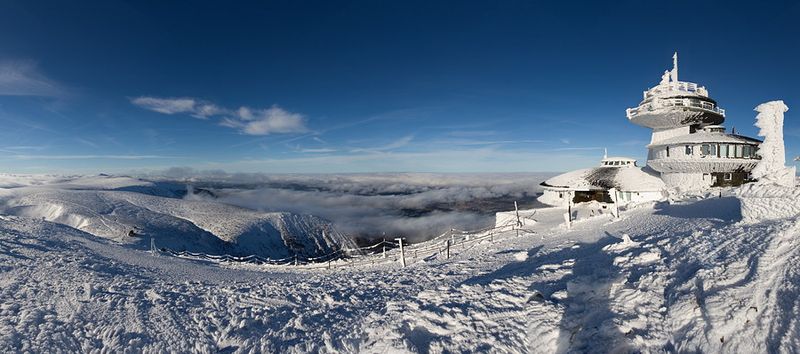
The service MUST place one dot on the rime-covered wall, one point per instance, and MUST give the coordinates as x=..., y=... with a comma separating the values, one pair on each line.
x=771, y=168
x=687, y=181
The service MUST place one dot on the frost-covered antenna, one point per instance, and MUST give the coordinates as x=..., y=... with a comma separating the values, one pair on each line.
x=605, y=153
x=675, y=67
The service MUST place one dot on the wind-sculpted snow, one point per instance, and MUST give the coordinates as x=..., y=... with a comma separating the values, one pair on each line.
x=680, y=277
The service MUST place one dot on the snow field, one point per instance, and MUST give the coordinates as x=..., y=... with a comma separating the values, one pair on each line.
x=683, y=276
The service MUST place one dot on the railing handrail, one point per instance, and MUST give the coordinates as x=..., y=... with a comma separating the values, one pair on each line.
x=672, y=102
x=675, y=86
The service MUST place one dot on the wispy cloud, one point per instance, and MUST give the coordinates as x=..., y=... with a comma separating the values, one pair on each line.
x=25, y=147
x=318, y=151
x=478, y=142
x=23, y=78
x=89, y=157
x=249, y=121
x=472, y=133
x=174, y=105
x=388, y=147
x=266, y=121
x=578, y=148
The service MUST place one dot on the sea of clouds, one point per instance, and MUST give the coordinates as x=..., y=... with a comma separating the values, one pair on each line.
x=368, y=206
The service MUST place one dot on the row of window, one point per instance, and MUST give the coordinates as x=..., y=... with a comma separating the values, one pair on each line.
x=719, y=150
x=617, y=163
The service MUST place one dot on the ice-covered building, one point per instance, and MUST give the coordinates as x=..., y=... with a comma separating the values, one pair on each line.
x=621, y=174
x=689, y=146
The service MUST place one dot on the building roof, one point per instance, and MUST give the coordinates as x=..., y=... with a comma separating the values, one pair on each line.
x=706, y=137
x=612, y=158
x=604, y=178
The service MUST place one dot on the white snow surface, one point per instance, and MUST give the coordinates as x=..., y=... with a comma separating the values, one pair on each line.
x=625, y=179
x=681, y=277
x=111, y=207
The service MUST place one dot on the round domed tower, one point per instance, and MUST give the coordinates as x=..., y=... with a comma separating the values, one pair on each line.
x=689, y=147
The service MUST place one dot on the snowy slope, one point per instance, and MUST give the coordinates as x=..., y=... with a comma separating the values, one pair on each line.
x=104, y=206
x=684, y=277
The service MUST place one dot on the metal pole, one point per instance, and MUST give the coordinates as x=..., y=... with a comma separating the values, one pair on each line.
x=448, y=249
x=402, y=252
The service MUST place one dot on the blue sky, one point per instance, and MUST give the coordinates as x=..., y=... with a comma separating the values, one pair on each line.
x=373, y=86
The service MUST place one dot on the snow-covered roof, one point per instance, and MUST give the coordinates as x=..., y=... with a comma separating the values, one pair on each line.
x=619, y=158
x=603, y=178
x=706, y=137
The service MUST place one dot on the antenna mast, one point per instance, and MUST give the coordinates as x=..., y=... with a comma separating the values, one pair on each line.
x=675, y=67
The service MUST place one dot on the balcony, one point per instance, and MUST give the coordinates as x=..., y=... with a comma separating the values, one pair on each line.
x=674, y=102
x=680, y=86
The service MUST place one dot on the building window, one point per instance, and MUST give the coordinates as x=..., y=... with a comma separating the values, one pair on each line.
x=689, y=150
x=705, y=149
x=667, y=151
x=739, y=151
x=728, y=176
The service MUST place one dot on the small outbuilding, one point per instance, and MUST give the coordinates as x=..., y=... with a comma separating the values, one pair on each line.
x=631, y=183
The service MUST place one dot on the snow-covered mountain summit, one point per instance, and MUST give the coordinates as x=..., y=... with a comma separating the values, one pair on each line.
x=131, y=211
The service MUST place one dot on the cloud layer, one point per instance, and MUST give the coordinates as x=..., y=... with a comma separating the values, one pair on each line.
x=247, y=120
x=417, y=206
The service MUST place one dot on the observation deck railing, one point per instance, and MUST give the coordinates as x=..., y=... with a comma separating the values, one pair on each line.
x=674, y=102
x=683, y=86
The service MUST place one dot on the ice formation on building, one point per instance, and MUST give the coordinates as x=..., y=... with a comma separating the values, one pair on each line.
x=774, y=195
x=771, y=169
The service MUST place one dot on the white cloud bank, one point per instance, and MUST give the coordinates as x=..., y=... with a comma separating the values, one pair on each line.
x=247, y=120
x=22, y=78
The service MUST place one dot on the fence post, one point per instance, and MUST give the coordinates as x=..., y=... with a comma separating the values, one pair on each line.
x=614, y=198
x=152, y=246
x=295, y=260
x=402, y=252
x=448, y=249
x=329, y=264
